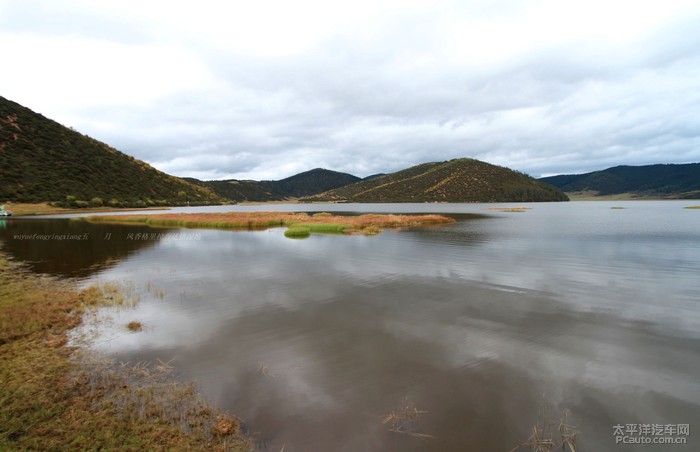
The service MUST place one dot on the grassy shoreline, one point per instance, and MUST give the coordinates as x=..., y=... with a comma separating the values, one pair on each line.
x=42, y=208
x=299, y=224
x=56, y=397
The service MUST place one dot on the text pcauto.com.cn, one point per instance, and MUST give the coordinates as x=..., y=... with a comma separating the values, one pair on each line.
x=651, y=433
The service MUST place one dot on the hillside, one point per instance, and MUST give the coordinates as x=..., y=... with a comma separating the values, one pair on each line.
x=312, y=182
x=41, y=160
x=241, y=190
x=303, y=184
x=650, y=181
x=459, y=180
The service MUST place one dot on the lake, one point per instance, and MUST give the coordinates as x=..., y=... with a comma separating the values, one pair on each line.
x=451, y=338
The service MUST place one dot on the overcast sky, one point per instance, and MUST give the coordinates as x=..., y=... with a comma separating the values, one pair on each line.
x=264, y=90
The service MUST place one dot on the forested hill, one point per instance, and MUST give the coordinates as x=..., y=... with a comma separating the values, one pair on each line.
x=42, y=160
x=303, y=184
x=459, y=180
x=655, y=181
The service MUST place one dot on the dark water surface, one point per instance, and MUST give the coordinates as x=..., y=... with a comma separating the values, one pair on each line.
x=479, y=324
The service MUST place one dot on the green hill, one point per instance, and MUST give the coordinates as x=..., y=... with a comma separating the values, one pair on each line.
x=303, y=184
x=459, y=180
x=41, y=160
x=649, y=181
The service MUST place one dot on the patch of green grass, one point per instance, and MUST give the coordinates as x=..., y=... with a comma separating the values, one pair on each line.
x=692, y=207
x=297, y=232
x=326, y=228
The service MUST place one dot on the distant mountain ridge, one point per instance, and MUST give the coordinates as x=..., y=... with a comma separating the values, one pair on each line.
x=459, y=180
x=241, y=190
x=42, y=160
x=313, y=181
x=299, y=185
x=672, y=181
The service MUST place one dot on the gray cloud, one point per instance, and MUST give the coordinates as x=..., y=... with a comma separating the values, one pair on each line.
x=379, y=94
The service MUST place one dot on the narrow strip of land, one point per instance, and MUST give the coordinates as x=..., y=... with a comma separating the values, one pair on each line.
x=43, y=208
x=299, y=224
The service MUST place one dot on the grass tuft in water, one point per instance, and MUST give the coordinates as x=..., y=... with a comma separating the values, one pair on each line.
x=134, y=326
x=371, y=230
x=405, y=420
x=510, y=209
x=550, y=435
x=297, y=232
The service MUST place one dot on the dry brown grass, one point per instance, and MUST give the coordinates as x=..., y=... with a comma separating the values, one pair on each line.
x=405, y=420
x=55, y=397
x=134, y=326
x=550, y=435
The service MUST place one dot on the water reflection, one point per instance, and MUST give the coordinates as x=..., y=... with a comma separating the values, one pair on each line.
x=69, y=248
x=314, y=365
x=313, y=341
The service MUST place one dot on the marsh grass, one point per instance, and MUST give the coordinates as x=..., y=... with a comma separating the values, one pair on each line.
x=157, y=293
x=371, y=230
x=323, y=228
x=145, y=392
x=297, y=232
x=510, y=209
x=134, y=326
x=114, y=294
x=59, y=397
x=549, y=435
x=262, y=370
x=692, y=207
x=405, y=420
x=326, y=223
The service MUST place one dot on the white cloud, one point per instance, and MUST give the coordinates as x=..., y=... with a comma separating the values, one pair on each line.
x=266, y=89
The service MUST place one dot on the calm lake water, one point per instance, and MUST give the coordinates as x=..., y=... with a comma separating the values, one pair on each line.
x=478, y=324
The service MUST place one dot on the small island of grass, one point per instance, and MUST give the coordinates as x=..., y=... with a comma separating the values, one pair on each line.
x=299, y=225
